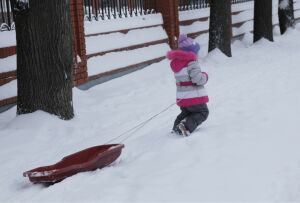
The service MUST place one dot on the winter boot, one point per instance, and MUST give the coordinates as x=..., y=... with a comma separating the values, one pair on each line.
x=184, y=131
x=176, y=130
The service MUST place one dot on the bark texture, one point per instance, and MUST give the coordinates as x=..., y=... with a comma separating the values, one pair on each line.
x=220, y=26
x=263, y=27
x=286, y=14
x=44, y=57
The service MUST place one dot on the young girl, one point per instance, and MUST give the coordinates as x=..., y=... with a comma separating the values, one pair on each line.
x=190, y=81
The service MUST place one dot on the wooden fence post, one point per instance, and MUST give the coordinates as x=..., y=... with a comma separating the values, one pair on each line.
x=80, y=75
x=169, y=10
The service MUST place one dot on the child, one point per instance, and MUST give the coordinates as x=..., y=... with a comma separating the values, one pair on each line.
x=190, y=81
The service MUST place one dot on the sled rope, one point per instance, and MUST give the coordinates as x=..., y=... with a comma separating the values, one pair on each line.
x=139, y=126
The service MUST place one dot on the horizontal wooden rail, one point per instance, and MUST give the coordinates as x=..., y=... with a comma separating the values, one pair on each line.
x=8, y=51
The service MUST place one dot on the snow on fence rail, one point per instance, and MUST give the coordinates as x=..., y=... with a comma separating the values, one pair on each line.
x=126, y=43
x=196, y=22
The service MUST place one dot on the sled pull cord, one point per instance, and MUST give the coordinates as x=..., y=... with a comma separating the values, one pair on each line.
x=139, y=126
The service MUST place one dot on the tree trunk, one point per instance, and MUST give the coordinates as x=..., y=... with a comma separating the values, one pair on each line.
x=263, y=20
x=220, y=26
x=44, y=57
x=286, y=14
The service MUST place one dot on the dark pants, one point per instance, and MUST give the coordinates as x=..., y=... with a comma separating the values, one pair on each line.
x=194, y=116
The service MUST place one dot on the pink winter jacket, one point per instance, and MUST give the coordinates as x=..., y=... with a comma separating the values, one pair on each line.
x=190, y=80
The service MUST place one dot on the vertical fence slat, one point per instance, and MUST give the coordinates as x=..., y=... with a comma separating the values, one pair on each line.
x=120, y=11
x=2, y=12
x=141, y=7
x=8, y=13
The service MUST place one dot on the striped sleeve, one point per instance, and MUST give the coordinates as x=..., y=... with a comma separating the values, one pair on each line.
x=197, y=76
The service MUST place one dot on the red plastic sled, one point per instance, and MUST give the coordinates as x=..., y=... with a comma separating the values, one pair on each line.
x=85, y=160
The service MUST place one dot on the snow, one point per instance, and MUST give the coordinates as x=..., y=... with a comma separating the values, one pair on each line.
x=284, y=4
x=193, y=14
x=243, y=6
x=8, y=90
x=194, y=27
x=114, y=147
x=275, y=20
x=40, y=174
x=78, y=59
x=92, y=27
x=117, y=40
x=243, y=16
x=246, y=27
x=275, y=6
x=9, y=38
x=115, y=60
x=297, y=9
x=297, y=5
x=297, y=14
x=8, y=64
x=247, y=150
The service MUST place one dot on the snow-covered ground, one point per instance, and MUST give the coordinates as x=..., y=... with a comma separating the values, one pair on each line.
x=248, y=149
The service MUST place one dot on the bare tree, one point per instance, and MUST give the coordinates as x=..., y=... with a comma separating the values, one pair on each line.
x=263, y=27
x=44, y=57
x=286, y=14
x=220, y=26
